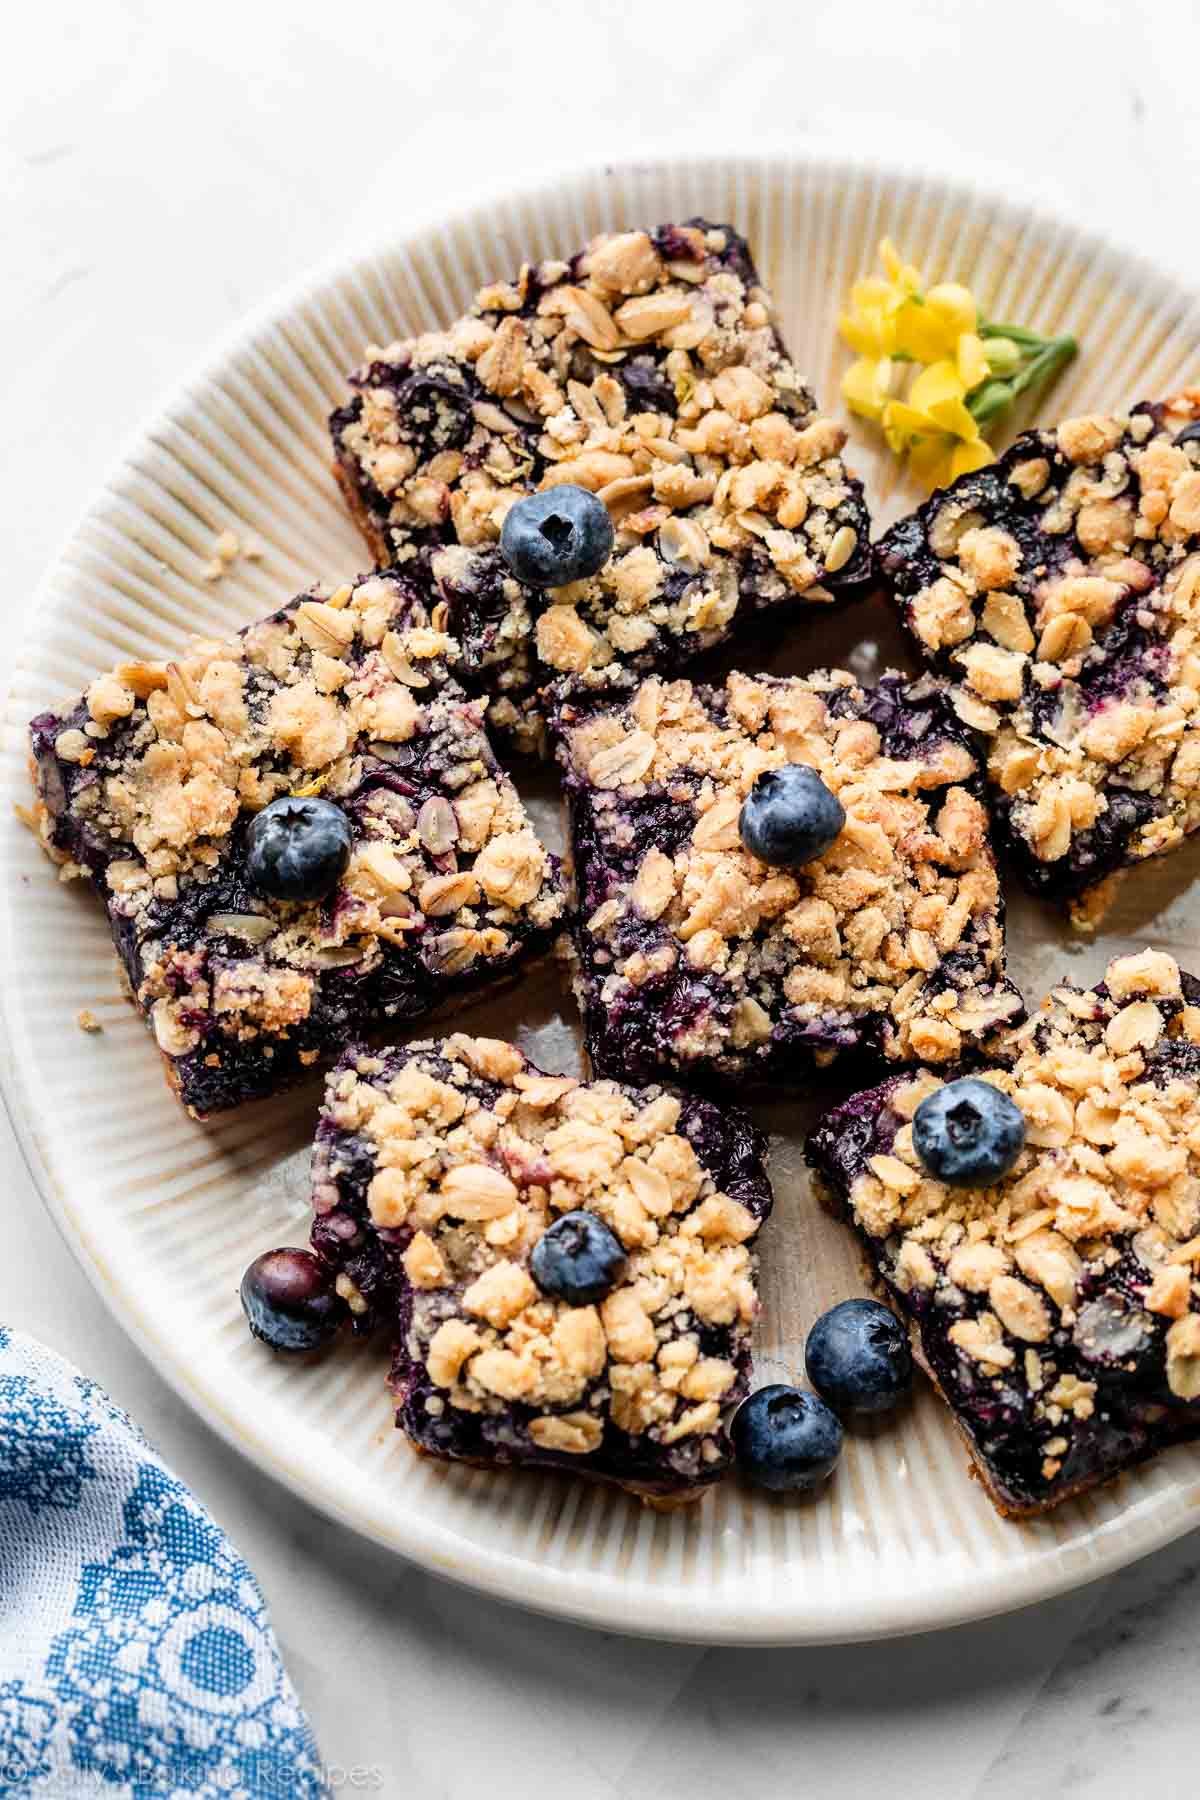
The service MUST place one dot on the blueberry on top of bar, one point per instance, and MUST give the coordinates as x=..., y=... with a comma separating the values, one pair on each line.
x=416, y=871
x=697, y=959
x=1057, y=590
x=648, y=370
x=1058, y=1311
x=439, y=1170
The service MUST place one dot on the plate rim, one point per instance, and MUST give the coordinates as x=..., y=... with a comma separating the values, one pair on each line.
x=594, y=1598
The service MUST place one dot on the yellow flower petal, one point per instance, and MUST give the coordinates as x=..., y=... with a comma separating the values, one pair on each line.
x=864, y=385
x=965, y=457
x=954, y=306
x=902, y=424
x=867, y=332
x=956, y=419
x=871, y=294
x=932, y=425
x=931, y=460
x=915, y=336
x=903, y=275
x=935, y=386
x=973, y=365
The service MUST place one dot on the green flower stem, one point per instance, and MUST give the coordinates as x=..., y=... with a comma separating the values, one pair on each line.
x=1020, y=334
x=993, y=398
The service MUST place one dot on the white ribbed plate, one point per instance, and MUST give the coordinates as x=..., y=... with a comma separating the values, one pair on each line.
x=164, y=1213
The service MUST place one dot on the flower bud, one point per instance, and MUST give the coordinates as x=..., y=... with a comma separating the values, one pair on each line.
x=1003, y=356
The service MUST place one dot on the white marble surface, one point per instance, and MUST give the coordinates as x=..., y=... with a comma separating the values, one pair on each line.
x=166, y=168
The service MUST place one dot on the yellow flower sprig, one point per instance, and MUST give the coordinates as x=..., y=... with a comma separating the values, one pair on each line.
x=972, y=369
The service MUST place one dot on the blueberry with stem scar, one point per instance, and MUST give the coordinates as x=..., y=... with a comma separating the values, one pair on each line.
x=785, y=1439
x=559, y=535
x=297, y=848
x=858, y=1357
x=968, y=1133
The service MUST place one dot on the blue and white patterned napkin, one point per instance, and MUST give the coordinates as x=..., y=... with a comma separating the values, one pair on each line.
x=137, y=1660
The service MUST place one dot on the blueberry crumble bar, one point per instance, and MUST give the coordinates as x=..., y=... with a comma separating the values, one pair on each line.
x=339, y=709
x=1058, y=1311
x=696, y=959
x=1058, y=592
x=466, y=1199
x=648, y=370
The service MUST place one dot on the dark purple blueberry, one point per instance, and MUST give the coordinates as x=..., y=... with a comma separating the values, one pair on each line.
x=298, y=849
x=289, y=1300
x=968, y=1134
x=561, y=534
x=1189, y=435
x=858, y=1357
x=577, y=1259
x=789, y=816
x=785, y=1439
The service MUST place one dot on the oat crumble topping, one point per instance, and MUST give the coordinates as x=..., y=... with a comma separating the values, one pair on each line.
x=695, y=957
x=1059, y=1311
x=647, y=369
x=437, y=1168
x=1059, y=593
x=146, y=786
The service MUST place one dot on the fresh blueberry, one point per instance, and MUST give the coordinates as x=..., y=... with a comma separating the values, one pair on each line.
x=968, y=1134
x=789, y=816
x=556, y=536
x=785, y=1439
x=297, y=849
x=289, y=1301
x=1189, y=434
x=858, y=1357
x=577, y=1259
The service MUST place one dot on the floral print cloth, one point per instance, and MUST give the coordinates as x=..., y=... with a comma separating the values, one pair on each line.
x=137, y=1660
